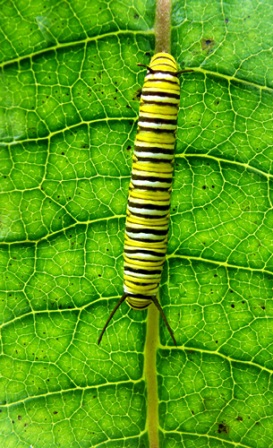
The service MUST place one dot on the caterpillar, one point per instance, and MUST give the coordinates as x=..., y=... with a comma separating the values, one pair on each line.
x=148, y=208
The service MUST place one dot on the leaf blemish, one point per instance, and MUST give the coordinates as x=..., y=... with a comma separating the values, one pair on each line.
x=223, y=428
x=207, y=45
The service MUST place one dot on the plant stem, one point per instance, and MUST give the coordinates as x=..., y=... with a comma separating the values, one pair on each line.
x=152, y=342
x=163, y=26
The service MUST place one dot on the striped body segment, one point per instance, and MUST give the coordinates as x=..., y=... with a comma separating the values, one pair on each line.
x=147, y=219
x=147, y=216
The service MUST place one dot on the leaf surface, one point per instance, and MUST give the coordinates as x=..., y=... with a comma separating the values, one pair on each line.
x=69, y=93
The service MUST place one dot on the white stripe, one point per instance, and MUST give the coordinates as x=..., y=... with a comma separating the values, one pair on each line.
x=152, y=155
x=146, y=211
x=142, y=183
x=141, y=256
x=159, y=99
x=161, y=75
x=168, y=146
x=149, y=124
x=146, y=236
x=140, y=275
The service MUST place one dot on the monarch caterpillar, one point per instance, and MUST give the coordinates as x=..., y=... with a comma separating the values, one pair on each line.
x=147, y=216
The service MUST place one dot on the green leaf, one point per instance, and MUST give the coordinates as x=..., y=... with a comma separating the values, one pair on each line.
x=69, y=102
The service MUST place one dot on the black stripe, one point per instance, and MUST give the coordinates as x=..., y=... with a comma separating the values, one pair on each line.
x=157, y=120
x=152, y=160
x=144, y=216
x=156, y=130
x=151, y=188
x=143, y=271
x=149, y=206
x=145, y=264
x=154, y=149
x=163, y=103
x=154, y=262
x=140, y=296
x=160, y=93
x=148, y=231
x=156, y=178
x=146, y=251
x=148, y=217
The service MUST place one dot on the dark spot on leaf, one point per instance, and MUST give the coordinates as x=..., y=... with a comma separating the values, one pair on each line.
x=223, y=428
x=263, y=307
x=231, y=292
x=19, y=417
x=204, y=187
x=55, y=412
x=137, y=94
x=207, y=45
x=239, y=418
x=226, y=20
x=215, y=275
x=212, y=186
x=232, y=305
x=216, y=342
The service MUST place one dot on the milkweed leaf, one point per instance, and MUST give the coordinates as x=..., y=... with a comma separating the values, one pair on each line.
x=69, y=93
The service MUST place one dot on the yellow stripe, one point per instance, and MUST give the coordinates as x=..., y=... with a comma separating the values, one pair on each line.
x=154, y=138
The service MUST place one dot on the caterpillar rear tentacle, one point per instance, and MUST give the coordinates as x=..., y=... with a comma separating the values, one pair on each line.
x=158, y=306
